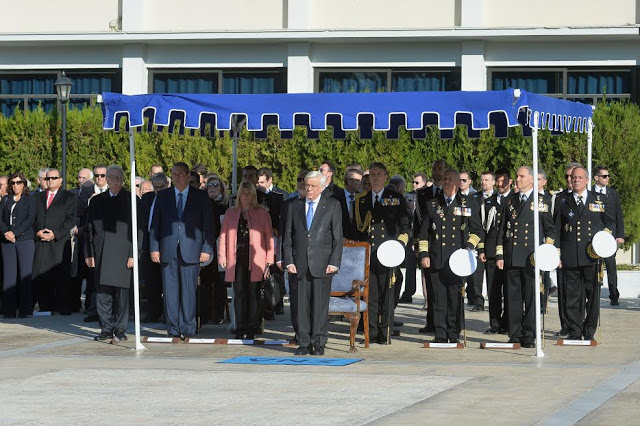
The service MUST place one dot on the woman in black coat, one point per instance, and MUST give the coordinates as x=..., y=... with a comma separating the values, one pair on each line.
x=18, y=246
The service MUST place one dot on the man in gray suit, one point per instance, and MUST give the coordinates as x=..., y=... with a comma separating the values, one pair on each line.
x=180, y=238
x=312, y=246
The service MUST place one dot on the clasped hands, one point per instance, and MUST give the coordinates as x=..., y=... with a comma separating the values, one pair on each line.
x=45, y=235
x=155, y=257
x=330, y=269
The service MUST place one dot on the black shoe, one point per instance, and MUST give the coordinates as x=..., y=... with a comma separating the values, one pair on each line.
x=553, y=290
x=183, y=337
x=574, y=337
x=528, y=343
x=405, y=299
x=615, y=303
x=477, y=308
x=588, y=337
x=103, y=336
x=398, y=323
x=427, y=329
x=302, y=350
x=318, y=350
x=239, y=336
x=492, y=330
x=250, y=336
x=563, y=332
x=294, y=341
x=279, y=311
x=269, y=316
x=440, y=340
x=90, y=318
x=514, y=340
x=122, y=336
x=454, y=340
x=503, y=331
x=382, y=340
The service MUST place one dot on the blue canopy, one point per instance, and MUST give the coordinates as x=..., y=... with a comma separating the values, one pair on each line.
x=349, y=111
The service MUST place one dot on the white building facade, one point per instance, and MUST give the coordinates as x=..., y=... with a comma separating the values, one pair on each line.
x=574, y=49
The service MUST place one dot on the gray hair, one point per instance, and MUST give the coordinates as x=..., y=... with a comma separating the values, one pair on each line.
x=397, y=180
x=572, y=166
x=160, y=179
x=542, y=173
x=115, y=171
x=529, y=169
x=89, y=170
x=43, y=171
x=316, y=174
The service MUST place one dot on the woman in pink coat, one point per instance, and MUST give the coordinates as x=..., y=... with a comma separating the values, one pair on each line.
x=245, y=251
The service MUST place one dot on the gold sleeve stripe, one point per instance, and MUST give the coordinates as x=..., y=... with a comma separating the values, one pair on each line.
x=423, y=245
x=608, y=230
x=499, y=250
x=592, y=254
x=473, y=239
x=404, y=238
x=481, y=245
x=549, y=240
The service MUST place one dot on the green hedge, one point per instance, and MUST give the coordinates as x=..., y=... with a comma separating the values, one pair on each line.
x=30, y=140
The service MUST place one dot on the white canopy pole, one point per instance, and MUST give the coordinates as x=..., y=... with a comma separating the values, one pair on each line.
x=134, y=238
x=589, y=150
x=536, y=233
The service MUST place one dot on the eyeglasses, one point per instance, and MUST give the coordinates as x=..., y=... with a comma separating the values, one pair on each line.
x=567, y=176
x=213, y=184
x=17, y=182
x=300, y=179
x=604, y=176
x=137, y=185
x=100, y=175
x=464, y=180
x=415, y=182
x=48, y=178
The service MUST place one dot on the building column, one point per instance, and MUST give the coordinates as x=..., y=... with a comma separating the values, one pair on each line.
x=135, y=76
x=472, y=65
x=299, y=69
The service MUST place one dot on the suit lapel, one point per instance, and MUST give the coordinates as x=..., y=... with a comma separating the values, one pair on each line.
x=320, y=209
x=571, y=202
x=300, y=210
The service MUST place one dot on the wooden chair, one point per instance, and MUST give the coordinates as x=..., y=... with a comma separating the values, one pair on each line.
x=350, y=289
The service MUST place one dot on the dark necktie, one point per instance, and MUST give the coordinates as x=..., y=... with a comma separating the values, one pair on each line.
x=377, y=202
x=350, y=207
x=180, y=206
x=449, y=200
x=523, y=198
x=580, y=204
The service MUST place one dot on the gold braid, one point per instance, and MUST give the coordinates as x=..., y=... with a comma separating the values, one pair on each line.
x=365, y=224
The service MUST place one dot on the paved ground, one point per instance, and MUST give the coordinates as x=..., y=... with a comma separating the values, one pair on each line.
x=52, y=372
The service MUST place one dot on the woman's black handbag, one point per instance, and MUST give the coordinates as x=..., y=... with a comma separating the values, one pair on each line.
x=272, y=289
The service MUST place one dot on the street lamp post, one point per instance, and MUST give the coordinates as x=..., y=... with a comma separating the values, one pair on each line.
x=63, y=88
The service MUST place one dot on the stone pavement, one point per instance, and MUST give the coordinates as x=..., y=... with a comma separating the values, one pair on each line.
x=52, y=372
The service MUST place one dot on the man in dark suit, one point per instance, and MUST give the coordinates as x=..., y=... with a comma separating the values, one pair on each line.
x=347, y=199
x=55, y=217
x=423, y=195
x=487, y=199
x=312, y=246
x=150, y=272
x=450, y=222
x=601, y=177
x=109, y=250
x=181, y=237
x=578, y=217
x=78, y=266
x=87, y=192
x=328, y=170
x=381, y=214
x=514, y=254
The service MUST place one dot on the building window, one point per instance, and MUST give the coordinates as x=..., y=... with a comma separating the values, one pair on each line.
x=27, y=90
x=386, y=80
x=219, y=81
x=584, y=85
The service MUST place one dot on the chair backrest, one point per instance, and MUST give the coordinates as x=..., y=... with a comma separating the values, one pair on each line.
x=353, y=266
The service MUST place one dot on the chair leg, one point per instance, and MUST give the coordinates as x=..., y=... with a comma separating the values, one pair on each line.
x=354, y=319
x=365, y=325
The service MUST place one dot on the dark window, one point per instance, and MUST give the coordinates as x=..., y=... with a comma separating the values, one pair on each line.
x=389, y=80
x=201, y=83
x=535, y=82
x=219, y=81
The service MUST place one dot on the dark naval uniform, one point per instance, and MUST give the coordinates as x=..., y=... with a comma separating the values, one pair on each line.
x=556, y=200
x=490, y=213
x=423, y=195
x=444, y=230
x=576, y=224
x=516, y=245
x=387, y=220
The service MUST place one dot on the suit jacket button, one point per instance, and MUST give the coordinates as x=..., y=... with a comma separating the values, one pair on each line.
x=308, y=235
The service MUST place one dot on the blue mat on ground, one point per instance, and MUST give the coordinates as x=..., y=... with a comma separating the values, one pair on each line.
x=277, y=360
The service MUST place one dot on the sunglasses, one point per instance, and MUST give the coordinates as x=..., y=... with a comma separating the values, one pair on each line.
x=567, y=176
x=48, y=178
x=604, y=176
x=415, y=182
x=213, y=185
x=101, y=175
x=463, y=180
x=17, y=182
x=137, y=185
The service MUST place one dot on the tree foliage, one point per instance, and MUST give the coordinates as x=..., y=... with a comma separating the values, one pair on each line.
x=30, y=140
